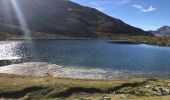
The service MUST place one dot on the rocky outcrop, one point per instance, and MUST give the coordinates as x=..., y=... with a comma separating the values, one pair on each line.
x=160, y=91
x=5, y=62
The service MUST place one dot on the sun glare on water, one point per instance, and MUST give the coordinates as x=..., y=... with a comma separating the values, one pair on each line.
x=8, y=50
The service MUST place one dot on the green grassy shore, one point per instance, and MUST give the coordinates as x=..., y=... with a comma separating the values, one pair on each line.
x=38, y=88
x=160, y=41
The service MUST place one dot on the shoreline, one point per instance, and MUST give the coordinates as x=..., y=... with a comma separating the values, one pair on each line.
x=45, y=69
x=53, y=70
x=48, y=39
x=156, y=41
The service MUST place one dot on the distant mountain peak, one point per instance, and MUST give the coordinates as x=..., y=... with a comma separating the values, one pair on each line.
x=164, y=28
x=163, y=31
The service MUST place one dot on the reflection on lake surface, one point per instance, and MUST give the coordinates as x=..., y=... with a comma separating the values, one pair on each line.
x=130, y=59
x=8, y=50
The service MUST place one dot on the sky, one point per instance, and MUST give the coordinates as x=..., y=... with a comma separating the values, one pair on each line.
x=145, y=14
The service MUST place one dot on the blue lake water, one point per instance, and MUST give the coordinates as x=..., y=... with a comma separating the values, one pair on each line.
x=139, y=60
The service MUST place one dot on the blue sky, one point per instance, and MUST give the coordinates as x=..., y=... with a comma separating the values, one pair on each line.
x=145, y=14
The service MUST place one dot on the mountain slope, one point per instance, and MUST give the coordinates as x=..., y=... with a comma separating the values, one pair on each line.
x=163, y=31
x=62, y=17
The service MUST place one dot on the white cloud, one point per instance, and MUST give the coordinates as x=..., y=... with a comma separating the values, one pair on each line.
x=137, y=6
x=124, y=1
x=113, y=1
x=99, y=4
x=100, y=8
x=141, y=8
x=151, y=8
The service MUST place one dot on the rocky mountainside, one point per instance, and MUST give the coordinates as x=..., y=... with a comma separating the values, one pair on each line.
x=60, y=17
x=163, y=31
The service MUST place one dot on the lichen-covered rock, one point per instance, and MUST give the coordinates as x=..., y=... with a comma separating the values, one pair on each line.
x=160, y=91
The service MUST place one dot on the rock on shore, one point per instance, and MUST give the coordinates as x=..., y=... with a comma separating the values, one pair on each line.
x=45, y=69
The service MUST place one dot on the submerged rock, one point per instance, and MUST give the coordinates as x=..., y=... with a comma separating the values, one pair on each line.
x=32, y=69
x=5, y=62
x=45, y=69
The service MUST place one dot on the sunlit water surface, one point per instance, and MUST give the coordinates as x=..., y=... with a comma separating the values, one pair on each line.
x=138, y=60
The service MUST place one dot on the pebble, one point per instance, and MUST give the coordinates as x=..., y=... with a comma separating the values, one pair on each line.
x=104, y=98
x=148, y=86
